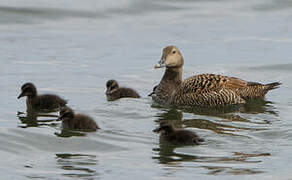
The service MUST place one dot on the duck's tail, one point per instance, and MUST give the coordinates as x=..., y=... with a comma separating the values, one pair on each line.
x=257, y=90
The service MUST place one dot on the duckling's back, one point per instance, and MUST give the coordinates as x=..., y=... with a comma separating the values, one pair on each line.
x=183, y=137
x=46, y=102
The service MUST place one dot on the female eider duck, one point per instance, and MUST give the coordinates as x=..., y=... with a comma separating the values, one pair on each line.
x=73, y=121
x=45, y=102
x=178, y=136
x=205, y=89
x=115, y=92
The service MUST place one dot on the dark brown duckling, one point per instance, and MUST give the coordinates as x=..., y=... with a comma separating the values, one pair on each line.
x=178, y=136
x=115, y=92
x=205, y=89
x=45, y=102
x=73, y=121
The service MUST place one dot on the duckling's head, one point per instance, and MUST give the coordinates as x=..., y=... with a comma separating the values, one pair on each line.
x=111, y=86
x=171, y=58
x=66, y=113
x=164, y=128
x=28, y=89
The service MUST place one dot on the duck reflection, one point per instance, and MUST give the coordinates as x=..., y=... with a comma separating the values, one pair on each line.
x=165, y=152
x=256, y=106
x=78, y=165
x=175, y=117
x=33, y=118
x=242, y=113
x=65, y=133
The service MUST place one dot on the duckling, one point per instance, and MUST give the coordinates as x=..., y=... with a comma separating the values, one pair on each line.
x=45, y=102
x=178, y=136
x=115, y=92
x=73, y=121
x=205, y=89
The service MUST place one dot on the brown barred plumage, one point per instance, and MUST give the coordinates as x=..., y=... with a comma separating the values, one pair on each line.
x=204, y=89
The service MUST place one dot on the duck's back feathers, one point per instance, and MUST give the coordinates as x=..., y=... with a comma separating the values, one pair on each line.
x=205, y=83
x=209, y=90
x=80, y=122
x=217, y=90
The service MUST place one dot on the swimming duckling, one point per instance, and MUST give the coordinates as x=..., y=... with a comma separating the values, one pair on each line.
x=45, y=102
x=204, y=89
x=115, y=92
x=178, y=136
x=73, y=121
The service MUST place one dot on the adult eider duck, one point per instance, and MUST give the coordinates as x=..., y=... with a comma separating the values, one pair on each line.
x=115, y=92
x=45, y=102
x=178, y=136
x=73, y=121
x=205, y=89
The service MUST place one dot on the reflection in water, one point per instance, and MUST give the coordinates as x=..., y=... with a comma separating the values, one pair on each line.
x=216, y=170
x=31, y=119
x=228, y=114
x=165, y=153
x=167, y=156
x=77, y=165
x=69, y=133
x=216, y=127
x=257, y=106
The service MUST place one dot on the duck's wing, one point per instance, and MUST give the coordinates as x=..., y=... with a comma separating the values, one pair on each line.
x=209, y=89
x=205, y=83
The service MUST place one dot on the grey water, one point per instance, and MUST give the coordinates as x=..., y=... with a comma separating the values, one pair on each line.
x=71, y=48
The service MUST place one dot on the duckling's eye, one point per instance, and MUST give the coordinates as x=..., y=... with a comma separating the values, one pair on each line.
x=173, y=52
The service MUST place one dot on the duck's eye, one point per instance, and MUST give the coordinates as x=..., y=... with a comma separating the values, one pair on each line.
x=173, y=52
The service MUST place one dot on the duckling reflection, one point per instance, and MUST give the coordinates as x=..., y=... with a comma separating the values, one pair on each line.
x=73, y=121
x=115, y=92
x=77, y=165
x=177, y=136
x=45, y=102
x=166, y=154
x=66, y=133
x=32, y=119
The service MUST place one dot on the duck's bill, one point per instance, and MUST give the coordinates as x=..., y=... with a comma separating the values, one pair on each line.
x=157, y=130
x=160, y=64
x=20, y=95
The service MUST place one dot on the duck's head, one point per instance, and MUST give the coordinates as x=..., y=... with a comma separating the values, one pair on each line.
x=164, y=128
x=111, y=86
x=171, y=58
x=66, y=113
x=28, y=89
